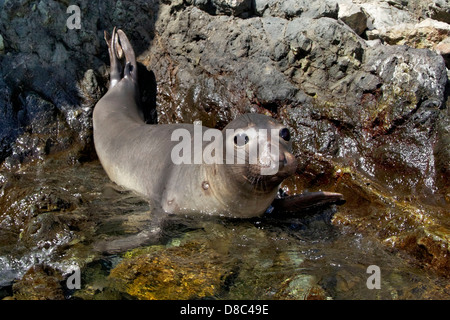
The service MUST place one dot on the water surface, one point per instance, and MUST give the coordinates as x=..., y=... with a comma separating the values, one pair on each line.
x=56, y=214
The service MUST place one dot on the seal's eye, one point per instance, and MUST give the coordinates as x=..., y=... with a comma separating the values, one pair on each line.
x=241, y=139
x=285, y=134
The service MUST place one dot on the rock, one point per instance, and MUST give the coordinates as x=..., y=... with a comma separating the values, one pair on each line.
x=232, y=7
x=39, y=283
x=9, y=130
x=238, y=8
x=302, y=287
x=443, y=48
x=441, y=153
x=186, y=272
x=41, y=131
x=439, y=10
x=429, y=34
x=34, y=219
x=383, y=15
x=435, y=9
x=45, y=231
x=46, y=59
x=426, y=34
x=297, y=47
x=354, y=16
x=261, y=6
x=44, y=219
x=92, y=91
x=301, y=8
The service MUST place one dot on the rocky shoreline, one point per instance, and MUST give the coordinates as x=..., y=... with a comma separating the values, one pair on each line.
x=363, y=84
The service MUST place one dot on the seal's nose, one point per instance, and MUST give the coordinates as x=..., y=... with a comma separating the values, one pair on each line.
x=288, y=161
x=282, y=158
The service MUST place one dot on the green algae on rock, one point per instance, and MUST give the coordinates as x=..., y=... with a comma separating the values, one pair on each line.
x=186, y=272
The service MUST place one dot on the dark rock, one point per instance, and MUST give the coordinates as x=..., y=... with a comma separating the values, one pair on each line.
x=354, y=16
x=439, y=10
x=297, y=8
x=232, y=7
x=441, y=153
x=43, y=58
x=39, y=283
x=8, y=123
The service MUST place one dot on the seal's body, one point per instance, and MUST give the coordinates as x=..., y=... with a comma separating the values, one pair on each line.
x=138, y=156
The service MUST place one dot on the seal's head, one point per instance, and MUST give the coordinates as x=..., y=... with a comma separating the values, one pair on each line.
x=258, y=151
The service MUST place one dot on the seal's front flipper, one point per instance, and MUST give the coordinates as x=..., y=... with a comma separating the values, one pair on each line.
x=305, y=201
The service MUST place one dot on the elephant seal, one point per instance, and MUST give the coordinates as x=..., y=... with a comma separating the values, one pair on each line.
x=140, y=156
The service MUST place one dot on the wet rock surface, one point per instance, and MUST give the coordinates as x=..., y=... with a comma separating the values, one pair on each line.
x=39, y=283
x=371, y=111
x=189, y=272
x=363, y=85
x=48, y=232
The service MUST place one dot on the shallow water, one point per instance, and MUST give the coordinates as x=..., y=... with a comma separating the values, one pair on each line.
x=57, y=214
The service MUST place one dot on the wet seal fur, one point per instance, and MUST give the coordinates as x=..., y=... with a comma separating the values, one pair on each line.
x=137, y=155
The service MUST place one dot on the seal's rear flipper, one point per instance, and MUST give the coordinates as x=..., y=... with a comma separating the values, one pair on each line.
x=115, y=72
x=119, y=47
x=305, y=201
x=125, y=243
x=130, y=57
